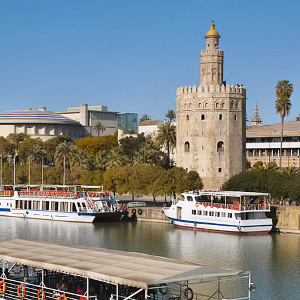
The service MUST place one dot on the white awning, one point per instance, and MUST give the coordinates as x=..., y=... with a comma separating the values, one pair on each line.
x=119, y=267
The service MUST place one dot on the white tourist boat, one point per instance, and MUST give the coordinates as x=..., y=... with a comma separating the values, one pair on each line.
x=61, y=203
x=225, y=211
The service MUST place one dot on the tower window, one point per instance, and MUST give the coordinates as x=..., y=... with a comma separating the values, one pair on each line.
x=186, y=147
x=187, y=117
x=202, y=117
x=220, y=117
x=220, y=146
x=235, y=117
x=220, y=170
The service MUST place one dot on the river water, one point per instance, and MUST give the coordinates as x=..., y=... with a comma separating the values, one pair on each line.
x=274, y=259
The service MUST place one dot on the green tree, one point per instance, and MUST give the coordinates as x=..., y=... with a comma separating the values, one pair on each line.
x=27, y=147
x=166, y=137
x=14, y=140
x=144, y=117
x=99, y=127
x=51, y=144
x=67, y=154
x=171, y=115
x=284, y=90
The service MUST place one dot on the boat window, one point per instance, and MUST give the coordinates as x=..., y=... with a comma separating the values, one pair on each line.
x=199, y=212
x=205, y=213
x=217, y=214
x=189, y=198
x=223, y=215
x=211, y=213
x=229, y=215
x=73, y=207
x=54, y=206
x=193, y=212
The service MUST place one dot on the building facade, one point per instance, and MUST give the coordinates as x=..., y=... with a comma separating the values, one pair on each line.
x=211, y=121
x=263, y=144
x=39, y=123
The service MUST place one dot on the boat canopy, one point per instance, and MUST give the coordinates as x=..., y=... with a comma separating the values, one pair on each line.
x=117, y=267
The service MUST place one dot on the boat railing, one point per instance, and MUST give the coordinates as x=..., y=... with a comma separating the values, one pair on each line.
x=236, y=206
x=15, y=289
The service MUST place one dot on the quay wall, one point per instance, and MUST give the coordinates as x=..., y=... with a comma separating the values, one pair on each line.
x=148, y=214
x=288, y=217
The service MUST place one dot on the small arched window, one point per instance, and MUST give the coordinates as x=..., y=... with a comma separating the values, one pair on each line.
x=202, y=117
x=185, y=106
x=190, y=105
x=235, y=117
x=186, y=147
x=199, y=105
x=220, y=117
x=187, y=117
x=220, y=146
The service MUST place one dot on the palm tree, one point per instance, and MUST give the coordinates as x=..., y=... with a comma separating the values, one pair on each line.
x=99, y=127
x=66, y=153
x=171, y=115
x=144, y=117
x=284, y=90
x=166, y=137
x=35, y=155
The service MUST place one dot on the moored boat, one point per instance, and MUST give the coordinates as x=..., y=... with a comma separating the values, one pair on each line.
x=61, y=203
x=225, y=211
x=68, y=272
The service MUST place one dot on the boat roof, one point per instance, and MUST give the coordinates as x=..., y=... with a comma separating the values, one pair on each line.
x=118, y=267
x=225, y=193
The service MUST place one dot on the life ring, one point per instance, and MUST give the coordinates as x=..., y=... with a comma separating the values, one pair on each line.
x=134, y=211
x=205, y=204
x=140, y=211
x=36, y=271
x=211, y=205
x=23, y=291
x=18, y=271
x=163, y=289
x=229, y=206
x=188, y=294
x=62, y=296
x=248, y=206
x=217, y=205
x=43, y=293
x=2, y=290
x=223, y=206
x=197, y=204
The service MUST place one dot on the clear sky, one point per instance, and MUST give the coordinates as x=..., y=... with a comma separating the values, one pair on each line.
x=131, y=55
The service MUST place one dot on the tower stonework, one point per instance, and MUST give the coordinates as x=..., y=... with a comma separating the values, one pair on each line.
x=211, y=121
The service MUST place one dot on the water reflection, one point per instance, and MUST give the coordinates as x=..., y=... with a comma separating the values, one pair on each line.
x=274, y=260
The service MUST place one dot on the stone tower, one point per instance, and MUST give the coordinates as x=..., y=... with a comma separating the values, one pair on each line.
x=211, y=121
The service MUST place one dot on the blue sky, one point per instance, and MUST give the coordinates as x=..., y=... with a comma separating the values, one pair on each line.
x=131, y=55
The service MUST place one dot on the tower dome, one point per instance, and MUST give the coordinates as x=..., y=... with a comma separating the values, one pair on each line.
x=212, y=31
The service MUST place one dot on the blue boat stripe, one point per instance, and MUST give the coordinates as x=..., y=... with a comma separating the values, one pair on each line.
x=218, y=224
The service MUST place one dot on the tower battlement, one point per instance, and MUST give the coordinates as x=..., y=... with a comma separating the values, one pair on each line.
x=204, y=88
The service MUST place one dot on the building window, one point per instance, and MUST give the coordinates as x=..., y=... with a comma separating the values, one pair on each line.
x=186, y=147
x=187, y=117
x=235, y=117
x=220, y=170
x=202, y=117
x=220, y=117
x=220, y=146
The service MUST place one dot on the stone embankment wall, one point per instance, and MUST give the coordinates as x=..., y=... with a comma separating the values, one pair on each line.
x=288, y=217
x=153, y=214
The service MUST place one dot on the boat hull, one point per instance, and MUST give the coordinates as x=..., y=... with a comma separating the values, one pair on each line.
x=62, y=216
x=256, y=226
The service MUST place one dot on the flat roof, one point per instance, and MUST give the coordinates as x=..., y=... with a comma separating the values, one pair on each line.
x=118, y=267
